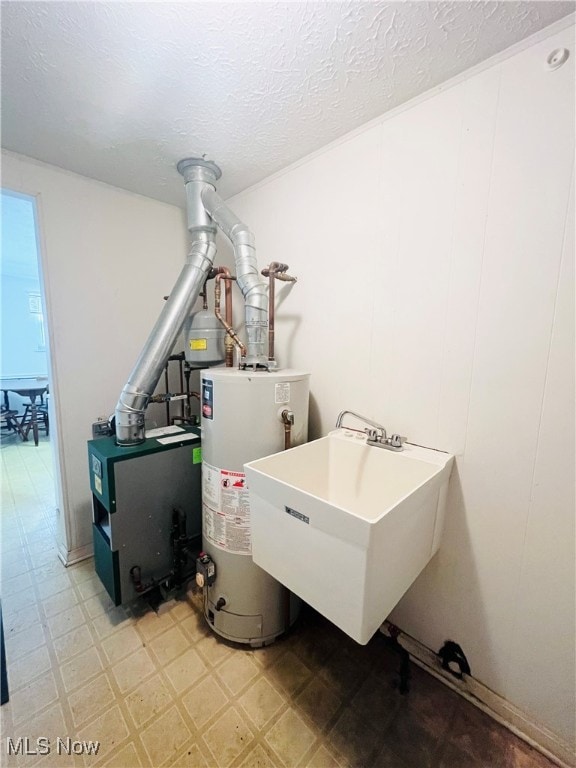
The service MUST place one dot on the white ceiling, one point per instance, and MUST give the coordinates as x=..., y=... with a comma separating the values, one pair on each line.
x=120, y=91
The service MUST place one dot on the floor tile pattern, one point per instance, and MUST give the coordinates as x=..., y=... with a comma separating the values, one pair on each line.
x=160, y=690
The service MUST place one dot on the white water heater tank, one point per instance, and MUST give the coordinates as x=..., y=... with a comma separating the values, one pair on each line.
x=241, y=422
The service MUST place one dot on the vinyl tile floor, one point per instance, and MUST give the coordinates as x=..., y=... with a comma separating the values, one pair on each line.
x=159, y=689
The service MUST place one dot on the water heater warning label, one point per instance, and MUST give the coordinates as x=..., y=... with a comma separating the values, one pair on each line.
x=226, y=509
x=282, y=393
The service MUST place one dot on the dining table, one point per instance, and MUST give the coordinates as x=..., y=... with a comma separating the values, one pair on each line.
x=32, y=388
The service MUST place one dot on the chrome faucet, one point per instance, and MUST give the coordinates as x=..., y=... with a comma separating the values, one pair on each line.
x=375, y=433
x=376, y=428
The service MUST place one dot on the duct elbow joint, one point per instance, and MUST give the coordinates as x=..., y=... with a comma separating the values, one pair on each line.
x=129, y=417
x=242, y=239
x=129, y=428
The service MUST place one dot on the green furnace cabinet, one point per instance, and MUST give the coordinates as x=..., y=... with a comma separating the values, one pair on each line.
x=134, y=493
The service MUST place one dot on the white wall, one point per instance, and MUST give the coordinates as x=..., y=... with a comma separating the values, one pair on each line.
x=434, y=252
x=108, y=258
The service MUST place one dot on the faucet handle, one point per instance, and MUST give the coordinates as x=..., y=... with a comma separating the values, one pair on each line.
x=375, y=435
x=396, y=441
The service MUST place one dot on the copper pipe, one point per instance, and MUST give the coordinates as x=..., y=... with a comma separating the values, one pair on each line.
x=271, y=303
x=228, y=342
x=275, y=271
x=224, y=273
x=288, y=421
x=232, y=339
x=287, y=436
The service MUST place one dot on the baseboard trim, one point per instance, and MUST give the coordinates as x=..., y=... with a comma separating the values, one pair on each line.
x=75, y=555
x=492, y=704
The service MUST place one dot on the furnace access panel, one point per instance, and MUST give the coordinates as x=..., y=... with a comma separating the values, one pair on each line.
x=135, y=492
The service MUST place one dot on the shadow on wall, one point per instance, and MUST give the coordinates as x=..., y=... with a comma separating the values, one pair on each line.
x=454, y=562
x=287, y=325
x=287, y=329
x=314, y=419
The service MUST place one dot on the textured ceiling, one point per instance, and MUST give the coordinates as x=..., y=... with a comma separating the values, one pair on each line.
x=121, y=91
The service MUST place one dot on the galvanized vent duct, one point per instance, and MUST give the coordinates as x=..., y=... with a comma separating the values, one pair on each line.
x=205, y=210
x=253, y=287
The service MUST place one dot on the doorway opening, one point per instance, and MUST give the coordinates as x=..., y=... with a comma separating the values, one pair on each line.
x=29, y=512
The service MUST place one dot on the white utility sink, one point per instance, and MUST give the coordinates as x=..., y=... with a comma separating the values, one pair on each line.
x=348, y=526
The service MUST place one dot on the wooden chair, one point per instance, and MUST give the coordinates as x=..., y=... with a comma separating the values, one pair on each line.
x=26, y=421
x=9, y=424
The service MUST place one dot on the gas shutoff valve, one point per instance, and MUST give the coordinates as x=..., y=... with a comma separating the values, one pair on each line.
x=205, y=570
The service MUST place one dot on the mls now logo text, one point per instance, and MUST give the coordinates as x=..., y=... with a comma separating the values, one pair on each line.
x=44, y=746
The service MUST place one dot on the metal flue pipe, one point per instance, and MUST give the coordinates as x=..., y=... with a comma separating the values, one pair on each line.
x=254, y=289
x=205, y=211
x=129, y=414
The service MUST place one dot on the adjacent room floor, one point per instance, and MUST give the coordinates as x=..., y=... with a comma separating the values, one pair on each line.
x=161, y=690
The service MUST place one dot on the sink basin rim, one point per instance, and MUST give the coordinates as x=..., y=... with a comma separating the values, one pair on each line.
x=440, y=460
